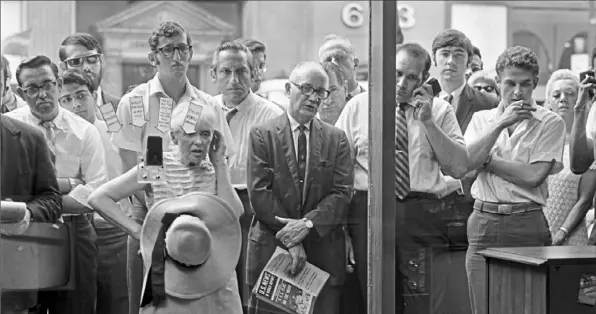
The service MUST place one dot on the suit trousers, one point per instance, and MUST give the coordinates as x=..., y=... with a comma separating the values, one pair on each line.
x=422, y=239
x=245, y=221
x=112, y=292
x=80, y=300
x=487, y=230
x=354, y=294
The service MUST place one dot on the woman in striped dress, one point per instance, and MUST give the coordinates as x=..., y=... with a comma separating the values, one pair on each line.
x=185, y=170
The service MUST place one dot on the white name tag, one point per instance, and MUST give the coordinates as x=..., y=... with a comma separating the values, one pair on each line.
x=110, y=118
x=192, y=117
x=165, y=114
x=137, y=110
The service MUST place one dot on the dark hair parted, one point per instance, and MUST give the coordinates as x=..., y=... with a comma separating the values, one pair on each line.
x=167, y=29
x=35, y=63
x=253, y=45
x=416, y=51
x=476, y=52
x=333, y=69
x=232, y=46
x=77, y=77
x=518, y=57
x=82, y=39
x=452, y=38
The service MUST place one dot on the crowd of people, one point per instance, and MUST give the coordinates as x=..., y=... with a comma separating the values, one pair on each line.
x=236, y=176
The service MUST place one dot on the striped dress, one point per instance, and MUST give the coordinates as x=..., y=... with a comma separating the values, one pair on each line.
x=181, y=179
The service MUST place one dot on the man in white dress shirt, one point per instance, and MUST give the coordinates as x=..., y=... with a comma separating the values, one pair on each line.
x=79, y=159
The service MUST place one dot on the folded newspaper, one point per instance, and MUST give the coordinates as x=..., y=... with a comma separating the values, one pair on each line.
x=292, y=294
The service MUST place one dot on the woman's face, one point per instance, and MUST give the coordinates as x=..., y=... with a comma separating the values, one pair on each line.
x=194, y=148
x=485, y=86
x=563, y=97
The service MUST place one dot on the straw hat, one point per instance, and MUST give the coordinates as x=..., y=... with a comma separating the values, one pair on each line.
x=190, y=246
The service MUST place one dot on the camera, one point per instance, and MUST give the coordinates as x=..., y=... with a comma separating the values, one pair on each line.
x=583, y=75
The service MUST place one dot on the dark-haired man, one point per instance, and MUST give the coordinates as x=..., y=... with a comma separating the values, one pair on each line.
x=428, y=143
x=259, y=60
x=10, y=101
x=233, y=71
x=79, y=96
x=28, y=179
x=514, y=148
x=475, y=63
x=79, y=159
x=170, y=52
x=82, y=51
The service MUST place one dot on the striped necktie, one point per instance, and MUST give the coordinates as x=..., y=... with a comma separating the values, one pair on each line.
x=448, y=98
x=402, y=167
x=50, y=127
x=230, y=114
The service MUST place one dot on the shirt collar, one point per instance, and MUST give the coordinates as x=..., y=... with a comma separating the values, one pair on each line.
x=59, y=120
x=243, y=105
x=99, y=96
x=356, y=90
x=156, y=87
x=294, y=124
x=456, y=93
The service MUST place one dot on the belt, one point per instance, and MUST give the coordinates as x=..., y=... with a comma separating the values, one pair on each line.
x=506, y=209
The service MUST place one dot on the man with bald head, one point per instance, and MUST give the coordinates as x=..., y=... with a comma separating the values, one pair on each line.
x=300, y=184
x=339, y=50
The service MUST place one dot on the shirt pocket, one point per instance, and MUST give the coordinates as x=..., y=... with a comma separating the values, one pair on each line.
x=68, y=166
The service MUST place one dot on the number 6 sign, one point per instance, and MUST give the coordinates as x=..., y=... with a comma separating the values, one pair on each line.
x=352, y=15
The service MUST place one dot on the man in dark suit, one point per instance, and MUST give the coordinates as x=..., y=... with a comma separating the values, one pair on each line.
x=28, y=180
x=300, y=184
x=83, y=52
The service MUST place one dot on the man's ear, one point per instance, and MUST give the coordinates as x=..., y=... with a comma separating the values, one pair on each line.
x=536, y=82
x=213, y=75
x=102, y=61
x=94, y=94
x=21, y=93
x=425, y=77
x=152, y=58
x=63, y=66
x=356, y=62
x=288, y=86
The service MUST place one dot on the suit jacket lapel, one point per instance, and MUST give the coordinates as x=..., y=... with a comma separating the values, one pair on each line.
x=314, y=151
x=10, y=156
x=284, y=135
x=464, y=107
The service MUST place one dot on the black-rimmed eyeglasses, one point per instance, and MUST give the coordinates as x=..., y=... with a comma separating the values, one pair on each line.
x=168, y=50
x=308, y=90
x=33, y=90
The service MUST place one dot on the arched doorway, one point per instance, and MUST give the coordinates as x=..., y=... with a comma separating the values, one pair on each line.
x=531, y=41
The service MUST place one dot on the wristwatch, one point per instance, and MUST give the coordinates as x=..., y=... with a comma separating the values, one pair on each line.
x=72, y=183
x=308, y=223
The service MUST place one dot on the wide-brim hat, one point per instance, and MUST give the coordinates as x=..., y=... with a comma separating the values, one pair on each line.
x=218, y=268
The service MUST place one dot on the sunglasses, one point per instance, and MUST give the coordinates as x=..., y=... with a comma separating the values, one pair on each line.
x=487, y=88
x=78, y=62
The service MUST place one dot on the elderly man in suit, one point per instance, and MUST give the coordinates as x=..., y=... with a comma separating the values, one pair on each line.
x=28, y=178
x=300, y=184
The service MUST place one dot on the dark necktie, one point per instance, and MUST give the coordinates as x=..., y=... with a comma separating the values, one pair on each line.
x=449, y=98
x=349, y=97
x=302, y=155
x=231, y=114
x=402, y=167
x=50, y=134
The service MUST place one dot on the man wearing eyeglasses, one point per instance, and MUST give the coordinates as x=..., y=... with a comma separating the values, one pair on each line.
x=82, y=51
x=79, y=160
x=78, y=95
x=300, y=184
x=171, y=53
x=233, y=71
